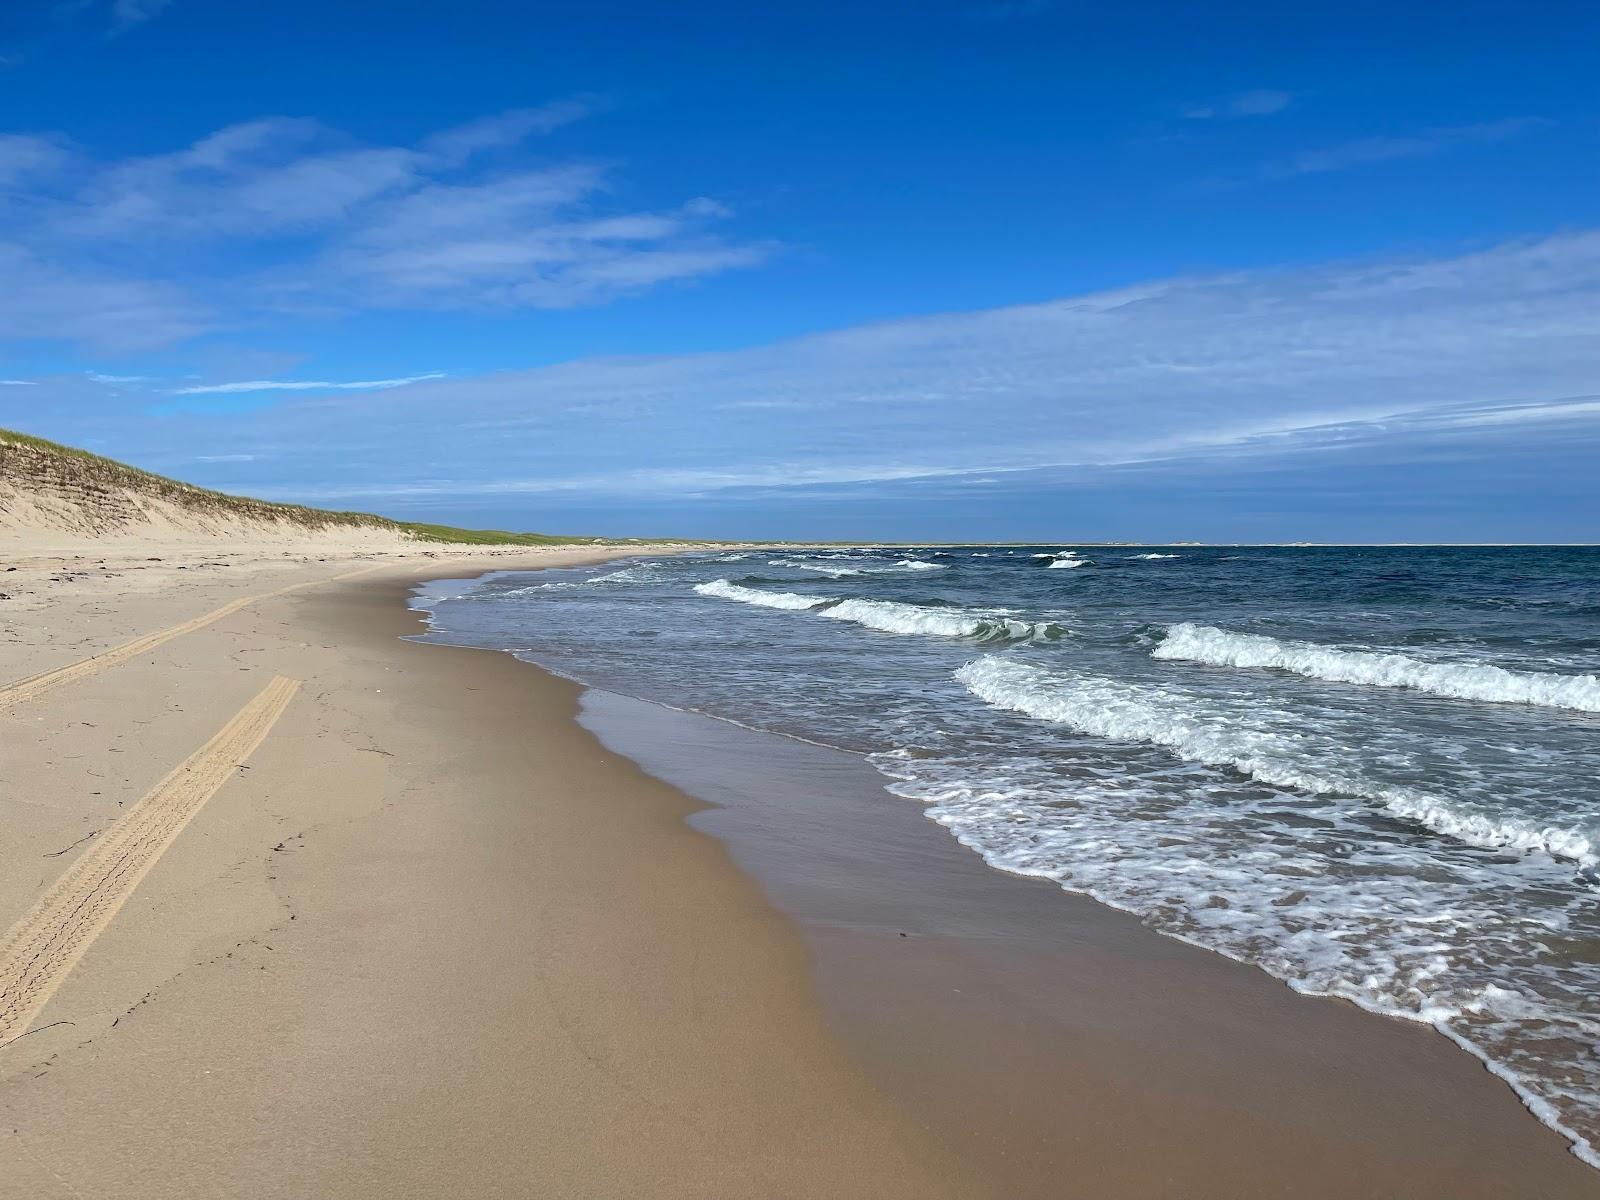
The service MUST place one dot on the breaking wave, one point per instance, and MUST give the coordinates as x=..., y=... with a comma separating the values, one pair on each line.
x=1463, y=681
x=1063, y=560
x=862, y=566
x=888, y=616
x=1217, y=735
x=786, y=600
x=891, y=617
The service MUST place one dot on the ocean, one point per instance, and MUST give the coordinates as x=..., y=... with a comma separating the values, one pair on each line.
x=1370, y=772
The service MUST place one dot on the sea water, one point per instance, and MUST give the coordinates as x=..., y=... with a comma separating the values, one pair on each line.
x=1371, y=772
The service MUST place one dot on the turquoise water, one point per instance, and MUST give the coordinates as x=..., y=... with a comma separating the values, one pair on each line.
x=1370, y=772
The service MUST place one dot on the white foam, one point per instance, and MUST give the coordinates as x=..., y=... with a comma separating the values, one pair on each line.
x=1209, y=733
x=786, y=600
x=864, y=566
x=643, y=573
x=1150, y=557
x=887, y=616
x=639, y=573
x=818, y=568
x=1465, y=680
x=1420, y=945
x=890, y=617
x=1067, y=562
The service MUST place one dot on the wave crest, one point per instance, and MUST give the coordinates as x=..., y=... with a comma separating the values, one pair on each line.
x=1206, y=644
x=889, y=616
x=725, y=590
x=863, y=566
x=1129, y=713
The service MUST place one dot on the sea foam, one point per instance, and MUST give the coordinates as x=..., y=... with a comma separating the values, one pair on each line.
x=1222, y=736
x=1062, y=561
x=863, y=566
x=786, y=600
x=891, y=617
x=888, y=616
x=1464, y=681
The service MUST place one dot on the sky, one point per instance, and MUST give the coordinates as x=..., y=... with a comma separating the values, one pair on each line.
x=961, y=269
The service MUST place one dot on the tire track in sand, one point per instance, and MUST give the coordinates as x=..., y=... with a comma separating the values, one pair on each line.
x=34, y=686
x=41, y=950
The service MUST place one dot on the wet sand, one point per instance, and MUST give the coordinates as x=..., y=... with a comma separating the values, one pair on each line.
x=1058, y=1044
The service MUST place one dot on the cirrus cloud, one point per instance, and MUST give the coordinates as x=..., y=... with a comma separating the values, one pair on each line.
x=284, y=214
x=1467, y=355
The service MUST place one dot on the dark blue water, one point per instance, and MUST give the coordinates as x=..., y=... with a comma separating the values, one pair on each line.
x=1370, y=772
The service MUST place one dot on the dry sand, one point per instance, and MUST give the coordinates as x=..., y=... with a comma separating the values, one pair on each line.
x=305, y=910
x=427, y=941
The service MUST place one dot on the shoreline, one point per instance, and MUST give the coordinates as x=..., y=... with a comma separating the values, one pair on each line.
x=439, y=939
x=1236, y=1084
x=1401, y=1067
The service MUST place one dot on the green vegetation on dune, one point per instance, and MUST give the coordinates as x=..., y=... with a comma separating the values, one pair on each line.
x=487, y=537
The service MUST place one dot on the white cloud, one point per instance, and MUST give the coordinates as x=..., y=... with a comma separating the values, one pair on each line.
x=509, y=128
x=298, y=385
x=511, y=242
x=286, y=215
x=1271, y=439
x=1251, y=365
x=19, y=383
x=50, y=300
x=125, y=14
x=25, y=157
x=1366, y=151
x=1261, y=102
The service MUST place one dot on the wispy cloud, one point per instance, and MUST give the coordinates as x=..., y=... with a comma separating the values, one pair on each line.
x=502, y=130
x=1270, y=439
x=1368, y=151
x=299, y=385
x=125, y=14
x=23, y=156
x=19, y=383
x=1260, y=102
x=1492, y=346
x=29, y=28
x=49, y=299
x=285, y=214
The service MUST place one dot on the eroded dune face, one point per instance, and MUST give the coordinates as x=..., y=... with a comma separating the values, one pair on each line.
x=54, y=498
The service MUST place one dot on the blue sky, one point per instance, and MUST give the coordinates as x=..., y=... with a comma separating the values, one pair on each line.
x=965, y=269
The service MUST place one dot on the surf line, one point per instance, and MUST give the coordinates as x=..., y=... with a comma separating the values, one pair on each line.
x=35, y=686
x=40, y=951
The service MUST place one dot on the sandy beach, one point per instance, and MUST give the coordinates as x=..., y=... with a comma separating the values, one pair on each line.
x=302, y=908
